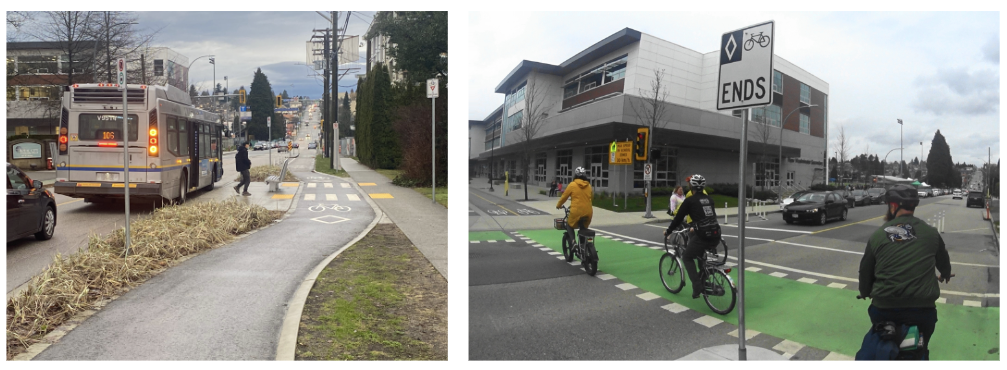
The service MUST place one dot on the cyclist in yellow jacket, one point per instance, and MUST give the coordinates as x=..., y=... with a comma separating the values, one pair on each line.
x=580, y=194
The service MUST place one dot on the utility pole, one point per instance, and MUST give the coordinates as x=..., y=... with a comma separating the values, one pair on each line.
x=334, y=161
x=325, y=95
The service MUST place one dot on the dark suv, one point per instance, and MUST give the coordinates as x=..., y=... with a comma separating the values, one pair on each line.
x=30, y=208
x=877, y=195
x=975, y=198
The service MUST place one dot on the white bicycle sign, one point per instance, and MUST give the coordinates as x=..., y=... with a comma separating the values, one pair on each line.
x=526, y=211
x=335, y=207
x=496, y=212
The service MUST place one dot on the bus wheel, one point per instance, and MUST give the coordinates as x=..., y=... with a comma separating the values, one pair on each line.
x=183, y=184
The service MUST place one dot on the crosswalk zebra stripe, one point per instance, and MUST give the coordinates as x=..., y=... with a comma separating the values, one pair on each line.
x=309, y=197
x=353, y=197
x=331, y=197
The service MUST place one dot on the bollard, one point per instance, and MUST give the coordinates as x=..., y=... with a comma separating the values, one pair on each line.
x=725, y=213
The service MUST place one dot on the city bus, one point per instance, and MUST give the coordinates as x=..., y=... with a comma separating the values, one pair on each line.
x=174, y=148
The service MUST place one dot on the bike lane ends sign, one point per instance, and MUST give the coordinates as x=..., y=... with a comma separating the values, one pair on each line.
x=746, y=67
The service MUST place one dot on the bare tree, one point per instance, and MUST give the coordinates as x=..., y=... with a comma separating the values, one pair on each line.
x=763, y=133
x=843, y=146
x=532, y=119
x=651, y=109
x=73, y=34
x=119, y=40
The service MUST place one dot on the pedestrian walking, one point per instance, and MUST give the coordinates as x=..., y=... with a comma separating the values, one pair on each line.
x=675, y=200
x=242, y=164
x=552, y=188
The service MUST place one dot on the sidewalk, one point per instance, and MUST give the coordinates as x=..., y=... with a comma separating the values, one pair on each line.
x=602, y=217
x=422, y=220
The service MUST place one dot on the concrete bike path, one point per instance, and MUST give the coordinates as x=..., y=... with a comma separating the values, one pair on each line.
x=807, y=314
x=227, y=303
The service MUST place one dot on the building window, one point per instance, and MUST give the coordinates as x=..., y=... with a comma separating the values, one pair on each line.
x=665, y=169
x=78, y=64
x=516, y=120
x=38, y=92
x=759, y=115
x=603, y=74
x=11, y=66
x=805, y=124
x=825, y=110
x=774, y=115
x=805, y=94
x=540, y=160
x=790, y=178
x=159, y=67
x=37, y=64
x=596, y=160
x=777, y=82
x=564, y=166
x=767, y=173
x=515, y=96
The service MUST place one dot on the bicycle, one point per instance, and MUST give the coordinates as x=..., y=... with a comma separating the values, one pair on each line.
x=719, y=254
x=762, y=40
x=909, y=340
x=712, y=273
x=583, y=249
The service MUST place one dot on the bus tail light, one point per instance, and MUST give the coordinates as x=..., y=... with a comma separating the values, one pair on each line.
x=63, y=139
x=106, y=144
x=153, y=149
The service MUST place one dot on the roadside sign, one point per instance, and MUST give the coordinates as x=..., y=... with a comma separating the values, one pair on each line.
x=621, y=152
x=746, y=67
x=432, y=89
x=648, y=172
x=243, y=108
x=121, y=72
x=269, y=121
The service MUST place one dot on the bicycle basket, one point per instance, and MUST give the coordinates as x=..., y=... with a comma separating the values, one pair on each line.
x=559, y=223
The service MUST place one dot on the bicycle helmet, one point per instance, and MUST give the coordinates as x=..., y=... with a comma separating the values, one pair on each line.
x=697, y=181
x=904, y=195
x=580, y=172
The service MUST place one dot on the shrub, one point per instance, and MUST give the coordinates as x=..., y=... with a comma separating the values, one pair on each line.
x=821, y=187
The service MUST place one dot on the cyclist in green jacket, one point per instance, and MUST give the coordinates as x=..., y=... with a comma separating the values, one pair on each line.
x=897, y=269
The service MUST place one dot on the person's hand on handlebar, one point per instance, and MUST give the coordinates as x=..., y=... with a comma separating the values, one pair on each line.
x=945, y=280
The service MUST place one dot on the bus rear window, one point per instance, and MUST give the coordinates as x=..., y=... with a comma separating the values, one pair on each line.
x=105, y=127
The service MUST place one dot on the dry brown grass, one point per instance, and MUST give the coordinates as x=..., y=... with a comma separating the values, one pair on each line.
x=260, y=173
x=74, y=283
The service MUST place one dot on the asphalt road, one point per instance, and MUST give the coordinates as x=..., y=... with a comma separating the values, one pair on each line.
x=526, y=303
x=227, y=303
x=76, y=220
x=482, y=202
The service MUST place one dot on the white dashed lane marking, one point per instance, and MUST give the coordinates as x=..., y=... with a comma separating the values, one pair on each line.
x=331, y=197
x=749, y=333
x=753, y=269
x=310, y=185
x=353, y=197
x=309, y=197
x=836, y=285
x=626, y=286
x=648, y=296
x=328, y=185
x=708, y=321
x=778, y=274
x=675, y=308
x=788, y=348
x=807, y=280
x=345, y=185
x=606, y=276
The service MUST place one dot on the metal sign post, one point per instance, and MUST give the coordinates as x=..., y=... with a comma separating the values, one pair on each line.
x=269, y=129
x=745, y=81
x=335, y=146
x=432, y=93
x=121, y=63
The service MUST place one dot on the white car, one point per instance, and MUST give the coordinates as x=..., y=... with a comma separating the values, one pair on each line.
x=922, y=193
x=957, y=195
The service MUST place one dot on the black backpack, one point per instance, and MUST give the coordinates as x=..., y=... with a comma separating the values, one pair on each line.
x=708, y=229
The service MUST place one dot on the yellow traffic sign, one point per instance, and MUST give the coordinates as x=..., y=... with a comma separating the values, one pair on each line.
x=621, y=152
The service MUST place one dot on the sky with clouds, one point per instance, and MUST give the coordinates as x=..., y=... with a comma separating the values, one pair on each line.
x=933, y=70
x=244, y=41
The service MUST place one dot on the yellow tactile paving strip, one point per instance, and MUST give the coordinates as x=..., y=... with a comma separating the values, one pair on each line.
x=381, y=196
x=366, y=184
x=283, y=196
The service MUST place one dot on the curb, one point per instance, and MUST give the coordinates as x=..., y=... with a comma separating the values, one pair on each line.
x=287, y=345
x=996, y=235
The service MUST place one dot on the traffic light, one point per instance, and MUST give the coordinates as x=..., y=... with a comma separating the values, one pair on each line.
x=279, y=101
x=241, y=96
x=640, y=145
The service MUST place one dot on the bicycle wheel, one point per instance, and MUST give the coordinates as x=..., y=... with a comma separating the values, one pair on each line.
x=764, y=41
x=720, y=293
x=749, y=44
x=590, y=260
x=672, y=273
x=567, y=248
x=721, y=249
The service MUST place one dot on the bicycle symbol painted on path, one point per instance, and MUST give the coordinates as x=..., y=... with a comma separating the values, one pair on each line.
x=496, y=212
x=526, y=212
x=335, y=207
x=759, y=38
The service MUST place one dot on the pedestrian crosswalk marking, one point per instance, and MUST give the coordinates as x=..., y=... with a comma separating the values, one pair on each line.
x=973, y=303
x=328, y=185
x=833, y=356
x=807, y=280
x=353, y=197
x=778, y=274
x=942, y=300
x=309, y=197
x=474, y=241
x=312, y=185
x=836, y=285
x=606, y=276
x=344, y=185
x=331, y=197
x=544, y=249
x=749, y=333
x=555, y=253
x=788, y=348
x=753, y=269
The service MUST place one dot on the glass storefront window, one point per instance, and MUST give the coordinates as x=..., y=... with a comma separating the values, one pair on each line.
x=805, y=124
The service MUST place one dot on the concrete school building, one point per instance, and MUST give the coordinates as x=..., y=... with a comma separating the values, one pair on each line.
x=593, y=98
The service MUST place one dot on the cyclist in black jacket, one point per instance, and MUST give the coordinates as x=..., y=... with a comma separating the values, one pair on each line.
x=703, y=235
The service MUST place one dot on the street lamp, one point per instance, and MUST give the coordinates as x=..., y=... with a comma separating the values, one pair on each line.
x=900, y=146
x=492, y=149
x=194, y=62
x=779, y=193
x=885, y=160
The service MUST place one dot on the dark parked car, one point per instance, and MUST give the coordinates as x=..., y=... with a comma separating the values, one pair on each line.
x=976, y=198
x=817, y=207
x=30, y=208
x=791, y=198
x=860, y=198
x=877, y=195
x=848, y=195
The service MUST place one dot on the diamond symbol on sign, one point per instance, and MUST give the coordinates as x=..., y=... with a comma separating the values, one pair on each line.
x=330, y=219
x=731, y=47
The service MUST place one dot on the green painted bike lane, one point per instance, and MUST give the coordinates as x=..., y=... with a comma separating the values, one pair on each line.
x=814, y=315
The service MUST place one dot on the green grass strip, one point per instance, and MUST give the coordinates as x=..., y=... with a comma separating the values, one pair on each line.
x=814, y=315
x=488, y=235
